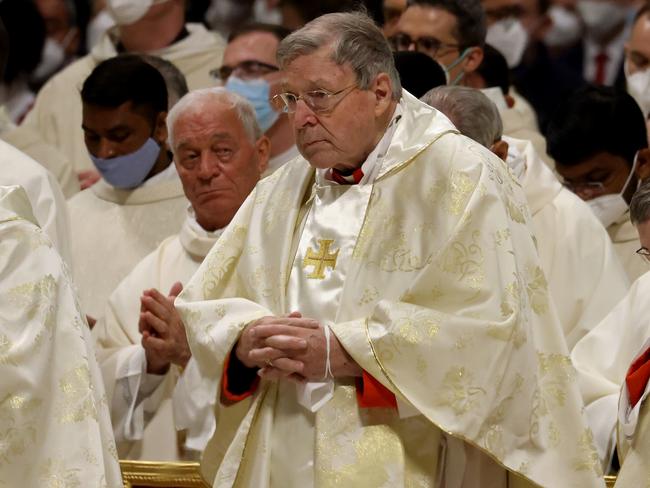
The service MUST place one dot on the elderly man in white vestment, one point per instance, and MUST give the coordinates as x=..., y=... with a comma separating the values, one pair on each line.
x=45, y=196
x=139, y=201
x=220, y=154
x=603, y=358
x=375, y=314
x=54, y=423
x=599, y=142
x=585, y=278
x=145, y=26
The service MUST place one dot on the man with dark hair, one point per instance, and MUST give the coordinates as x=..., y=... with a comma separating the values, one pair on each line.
x=140, y=200
x=450, y=31
x=598, y=140
x=143, y=26
x=249, y=68
x=517, y=28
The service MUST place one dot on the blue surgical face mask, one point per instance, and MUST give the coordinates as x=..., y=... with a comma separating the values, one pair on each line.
x=453, y=65
x=130, y=170
x=257, y=92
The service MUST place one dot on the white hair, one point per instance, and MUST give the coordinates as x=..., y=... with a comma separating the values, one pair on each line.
x=640, y=205
x=198, y=100
x=473, y=114
x=354, y=39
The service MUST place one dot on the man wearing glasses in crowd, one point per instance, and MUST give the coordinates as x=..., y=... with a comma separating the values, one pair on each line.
x=249, y=68
x=598, y=140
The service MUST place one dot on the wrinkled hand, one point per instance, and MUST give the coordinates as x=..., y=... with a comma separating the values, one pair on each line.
x=88, y=178
x=163, y=332
x=295, y=347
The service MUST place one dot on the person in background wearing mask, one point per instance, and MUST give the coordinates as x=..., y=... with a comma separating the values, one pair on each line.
x=451, y=32
x=26, y=29
x=637, y=60
x=585, y=278
x=598, y=59
x=62, y=41
x=566, y=27
x=599, y=142
x=517, y=29
x=249, y=68
x=139, y=200
x=144, y=26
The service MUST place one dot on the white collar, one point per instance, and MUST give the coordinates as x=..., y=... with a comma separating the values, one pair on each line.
x=195, y=239
x=167, y=174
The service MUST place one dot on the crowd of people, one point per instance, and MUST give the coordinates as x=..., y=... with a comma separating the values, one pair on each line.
x=329, y=243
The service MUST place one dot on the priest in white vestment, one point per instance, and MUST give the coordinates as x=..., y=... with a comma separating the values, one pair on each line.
x=147, y=405
x=599, y=142
x=376, y=314
x=585, y=277
x=45, y=196
x=140, y=201
x=603, y=358
x=156, y=28
x=54, y=422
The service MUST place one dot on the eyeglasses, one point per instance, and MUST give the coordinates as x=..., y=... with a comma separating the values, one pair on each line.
x=318, y=101
x=425, y=45
x=644, y=253
x=245, y=70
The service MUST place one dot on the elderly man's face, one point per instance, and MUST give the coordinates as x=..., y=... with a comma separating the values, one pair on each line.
x=637, y=49
x=343, y=136
x=217, y=162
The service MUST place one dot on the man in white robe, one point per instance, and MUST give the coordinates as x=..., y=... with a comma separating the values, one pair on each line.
x=249, y=69
x=584, y=275
x=45, y=196
x=146, y=405
x=143, y=26
x=54, y=422
x=140, y=201
x=599, y=142
x=361, y=317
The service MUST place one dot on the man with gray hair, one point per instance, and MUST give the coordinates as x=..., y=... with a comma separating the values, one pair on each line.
x=585, y=277
x=375, y=314
x=219, y=153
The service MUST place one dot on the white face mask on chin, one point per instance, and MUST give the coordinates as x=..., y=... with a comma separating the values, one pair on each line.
x=126, y=12
x=609, y=208
x=601, y=16
x=510, y=38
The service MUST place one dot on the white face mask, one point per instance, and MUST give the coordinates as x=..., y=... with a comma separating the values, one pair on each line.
x=610, y=208
x=510, y=38
x=52, y=57
x=495, y=94
x=97, y=27
x=126, y=12
x=565, y=28
x=601, y=16
x=638, y=86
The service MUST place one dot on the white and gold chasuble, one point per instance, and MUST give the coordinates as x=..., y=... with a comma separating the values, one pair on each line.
x=55, y=429
x=443, y=302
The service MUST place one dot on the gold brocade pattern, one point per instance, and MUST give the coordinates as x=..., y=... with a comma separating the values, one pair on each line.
x=537, y=289
x=55, y=474
x=17, y=436
x=458, y=391
x=465, y=260
x=76, y=402
x=587, y=459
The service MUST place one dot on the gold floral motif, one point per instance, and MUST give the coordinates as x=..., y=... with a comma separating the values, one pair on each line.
x=416, y=329
x=461, y=186
x=76, y=402
x=491, y=433
x=276, y=210
x=556, y=372
x=458, y=393
x=16, y=438
x=587, y=459
x=502, y=236
x=515, y=212
x=54, y=474
x=36, y=298
x=465, y=260
x=514, y=333
x=222, y=260
x=537, y=289
x=5, y=347
x=369, y=295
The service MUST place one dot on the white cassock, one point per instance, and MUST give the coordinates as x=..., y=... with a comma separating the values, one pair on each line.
x=426, y=272
x=47, y=201
x=602, y=358
x=113, y=229
x=145, y=408
x=585, y=278
x=626, y=242
x=46, y=155
x=56, y=115
x=55, y=429
x=280, y=160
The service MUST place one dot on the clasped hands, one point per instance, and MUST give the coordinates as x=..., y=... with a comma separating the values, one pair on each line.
x=292, y=347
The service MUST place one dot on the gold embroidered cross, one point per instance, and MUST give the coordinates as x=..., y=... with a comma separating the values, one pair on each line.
x=321, y=260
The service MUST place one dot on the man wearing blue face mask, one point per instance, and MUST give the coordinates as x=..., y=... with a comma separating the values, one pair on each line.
x=250, y=69
x=598, y=140
x=139, y=200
